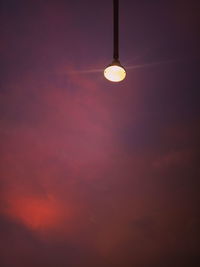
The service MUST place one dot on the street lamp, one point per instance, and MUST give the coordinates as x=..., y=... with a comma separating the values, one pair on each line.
x=115, y=72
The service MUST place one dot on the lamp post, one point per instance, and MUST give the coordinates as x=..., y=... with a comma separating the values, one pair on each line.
x=115, y=71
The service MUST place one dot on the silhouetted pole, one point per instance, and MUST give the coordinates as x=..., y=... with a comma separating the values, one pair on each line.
x=116, y=28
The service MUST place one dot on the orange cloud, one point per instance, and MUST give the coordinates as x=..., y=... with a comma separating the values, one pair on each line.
x=35, y=212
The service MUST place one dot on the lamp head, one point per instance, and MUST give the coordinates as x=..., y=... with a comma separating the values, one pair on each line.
x=115, y=72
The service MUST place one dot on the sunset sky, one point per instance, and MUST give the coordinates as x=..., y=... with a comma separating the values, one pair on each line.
x=95, y=173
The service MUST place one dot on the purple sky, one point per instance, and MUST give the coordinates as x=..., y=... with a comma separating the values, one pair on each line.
x=95, y=173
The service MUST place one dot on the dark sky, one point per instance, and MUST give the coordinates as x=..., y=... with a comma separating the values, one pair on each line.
x=95, y=173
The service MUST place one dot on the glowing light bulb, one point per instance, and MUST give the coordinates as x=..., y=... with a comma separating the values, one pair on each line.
x=115, y=73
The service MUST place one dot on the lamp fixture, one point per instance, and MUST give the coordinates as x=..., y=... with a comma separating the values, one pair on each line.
x=115, y=72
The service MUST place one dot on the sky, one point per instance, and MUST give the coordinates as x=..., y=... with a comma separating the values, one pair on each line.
x=95, y=173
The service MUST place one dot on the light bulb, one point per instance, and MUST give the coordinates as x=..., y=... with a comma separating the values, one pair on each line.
x=115, y=73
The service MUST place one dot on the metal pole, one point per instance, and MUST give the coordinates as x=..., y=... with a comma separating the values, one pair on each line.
x=116, y=28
